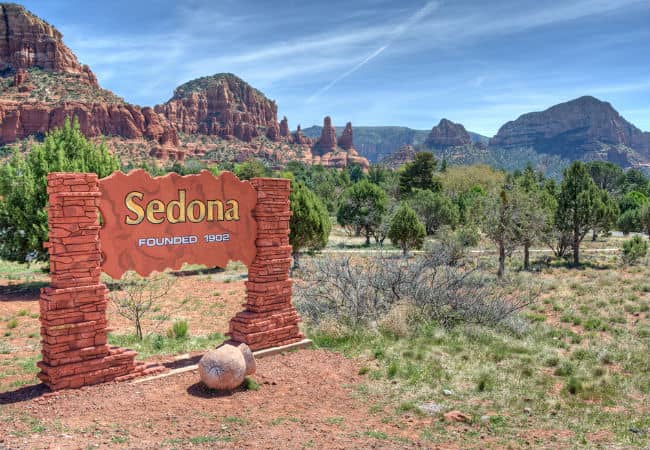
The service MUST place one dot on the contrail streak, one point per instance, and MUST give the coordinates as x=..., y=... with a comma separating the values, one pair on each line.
x=396, y=34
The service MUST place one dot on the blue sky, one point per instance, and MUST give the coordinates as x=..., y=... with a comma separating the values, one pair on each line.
x=407, y=63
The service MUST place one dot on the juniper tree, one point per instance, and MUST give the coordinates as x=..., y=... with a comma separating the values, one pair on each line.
x=23, y=184
x=310, y=223
x=578, y=206
x=406, y=230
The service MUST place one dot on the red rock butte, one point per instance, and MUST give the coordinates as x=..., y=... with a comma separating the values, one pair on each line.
x=48, y=84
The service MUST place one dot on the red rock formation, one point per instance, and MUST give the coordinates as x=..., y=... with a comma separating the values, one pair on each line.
x=273, y=132
x=405, y=154
x=346, y=139
x=327, y=141
x=448, y=134
x=300, y=138
x=285, y=133
x=27, y=41
x=19, y=120
x=20, y=77
x=221, y=105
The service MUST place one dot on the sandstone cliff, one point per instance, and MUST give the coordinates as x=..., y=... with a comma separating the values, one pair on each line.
x=221, y=105
x=27, y=41
x=572, y=129
x=42, y=83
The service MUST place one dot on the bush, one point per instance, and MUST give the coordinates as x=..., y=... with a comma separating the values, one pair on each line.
x=338, y=289
x=634, y=249
x=179, y=329
x=629, y=221
x=136, y=296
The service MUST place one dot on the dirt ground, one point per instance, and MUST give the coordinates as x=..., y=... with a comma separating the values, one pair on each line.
x=306, y=399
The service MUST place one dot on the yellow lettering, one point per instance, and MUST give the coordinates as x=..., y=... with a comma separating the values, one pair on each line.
x=132, y=206
x=190, y=211
x=180, y=204
x=233, y=212
x=176, y=211
x=211, y=205
x=155, y=207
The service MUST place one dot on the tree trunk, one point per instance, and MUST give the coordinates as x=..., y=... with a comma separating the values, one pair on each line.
x=367, y=237
x=526, y=256
x=296, y=261
x=576, y=251
x=502, y=261
x=405, y=251
x=594, y=236
x=138, y=328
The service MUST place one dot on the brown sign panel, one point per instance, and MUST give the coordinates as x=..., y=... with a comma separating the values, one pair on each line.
x=151, y=224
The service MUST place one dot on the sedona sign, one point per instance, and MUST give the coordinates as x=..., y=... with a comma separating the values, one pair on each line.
x=158, y=223
x=151, y=224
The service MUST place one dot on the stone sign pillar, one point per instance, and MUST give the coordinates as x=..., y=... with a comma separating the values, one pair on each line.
x=269, y=319
x=73, y=307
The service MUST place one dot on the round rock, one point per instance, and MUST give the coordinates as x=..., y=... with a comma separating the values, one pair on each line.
x=248, y=357
x=223, y=368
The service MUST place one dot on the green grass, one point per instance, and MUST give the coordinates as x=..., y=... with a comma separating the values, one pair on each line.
x=157, y=344
x=566, y=370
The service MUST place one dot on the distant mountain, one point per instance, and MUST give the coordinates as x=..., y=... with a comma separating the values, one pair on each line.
x=585, y=128
x=375, y=143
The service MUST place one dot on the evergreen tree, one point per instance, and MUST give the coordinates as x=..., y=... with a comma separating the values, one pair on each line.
x=644, y=213
x=362, y=208
x=250, y=169
x=502, y=218
x=310, y=223
x=23, y=184
x=606, y=214
x=419, y=174
x=578, y=206
x=434, y=209
x=406, y=230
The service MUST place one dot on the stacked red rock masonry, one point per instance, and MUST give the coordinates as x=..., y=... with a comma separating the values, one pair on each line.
x=73, y=307
x=269, y=319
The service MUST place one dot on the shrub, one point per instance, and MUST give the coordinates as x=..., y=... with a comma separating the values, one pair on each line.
x=629, y=221
x=179, y=329
x=573, y=385
x=13, y=323
x=359, y=293
x=137, y=296
x=634, y=249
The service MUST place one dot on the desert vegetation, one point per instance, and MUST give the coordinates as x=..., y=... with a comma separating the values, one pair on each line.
x=473, y=307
